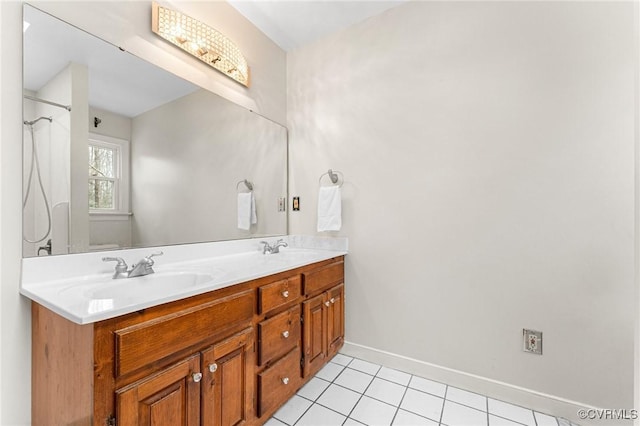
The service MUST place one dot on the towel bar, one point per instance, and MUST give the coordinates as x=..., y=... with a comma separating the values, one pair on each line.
x=333, y=175
x=248, y=184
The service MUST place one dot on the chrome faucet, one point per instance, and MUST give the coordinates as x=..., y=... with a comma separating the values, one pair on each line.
x=144, y=267
x=276, y=247
x=273, y=249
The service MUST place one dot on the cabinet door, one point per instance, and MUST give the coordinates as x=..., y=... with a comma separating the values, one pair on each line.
x=170, y=397
x=314, y=334
x=228, y=384
x=335, y=319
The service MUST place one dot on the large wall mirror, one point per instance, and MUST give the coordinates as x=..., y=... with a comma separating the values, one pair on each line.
x=142, y=158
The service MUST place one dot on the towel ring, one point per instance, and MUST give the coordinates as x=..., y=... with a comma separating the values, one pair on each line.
x=333, y=175
x=248, y=184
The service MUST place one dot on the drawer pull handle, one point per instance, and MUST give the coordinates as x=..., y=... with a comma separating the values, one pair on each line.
x=213, y=367
x=327, y=303
x=285, y=334
x=285, y=380
x=197, y=377
x=333, y=300
x=285, y=293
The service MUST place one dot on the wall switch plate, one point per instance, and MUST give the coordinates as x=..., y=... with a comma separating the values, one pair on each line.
x=296, y=204
x=532, y=341
x=282, y=204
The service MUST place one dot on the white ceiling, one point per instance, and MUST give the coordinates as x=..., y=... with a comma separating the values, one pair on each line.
x=294, y=23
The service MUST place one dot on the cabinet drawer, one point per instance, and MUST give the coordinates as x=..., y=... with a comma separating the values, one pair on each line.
x=277, y=294
x=322, y=278
x=278, y=382
x=278, y=335
x=142, y=344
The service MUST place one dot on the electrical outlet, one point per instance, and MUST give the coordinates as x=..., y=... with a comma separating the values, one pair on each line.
x=532, y=341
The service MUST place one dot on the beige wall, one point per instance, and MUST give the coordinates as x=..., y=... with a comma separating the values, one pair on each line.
x=205, y=144
x=125, y=24
x=488, y=154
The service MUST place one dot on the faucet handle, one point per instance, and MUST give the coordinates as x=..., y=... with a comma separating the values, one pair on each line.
x=121, y=262
x=121, y=266
x=266, y=248
x=152, y=255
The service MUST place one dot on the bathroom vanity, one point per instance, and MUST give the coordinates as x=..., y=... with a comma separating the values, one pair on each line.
x=229, y=356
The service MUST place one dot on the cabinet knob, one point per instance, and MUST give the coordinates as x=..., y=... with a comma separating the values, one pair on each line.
x=285, y=380
x=333, y=300
x=213, y=367
x=327, y=303
x=285, y=334
x=285, y=293
x=196, y=377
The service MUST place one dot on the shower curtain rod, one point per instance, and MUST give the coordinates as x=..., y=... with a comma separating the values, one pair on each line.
x=31, y=98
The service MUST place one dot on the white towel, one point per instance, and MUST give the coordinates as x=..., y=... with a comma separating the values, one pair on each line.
x=246, y=210
x=329, y=209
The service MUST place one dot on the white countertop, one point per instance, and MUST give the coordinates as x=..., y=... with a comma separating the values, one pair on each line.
x=81, y=289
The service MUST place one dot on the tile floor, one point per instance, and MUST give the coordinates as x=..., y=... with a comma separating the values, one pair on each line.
x=352, y=392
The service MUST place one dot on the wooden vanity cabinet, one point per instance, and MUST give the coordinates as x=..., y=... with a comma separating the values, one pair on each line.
x=323, y=316
x=170, y=397
x=227, y=383
x=228, y=357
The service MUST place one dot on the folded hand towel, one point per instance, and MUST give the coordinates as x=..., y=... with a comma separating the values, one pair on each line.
x=246, y=210
x=329, y=209
x=254, y=217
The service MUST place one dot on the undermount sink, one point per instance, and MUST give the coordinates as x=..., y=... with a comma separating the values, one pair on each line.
x=158, y=283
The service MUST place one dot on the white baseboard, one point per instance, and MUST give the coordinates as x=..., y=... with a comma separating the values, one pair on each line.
x=538, y=401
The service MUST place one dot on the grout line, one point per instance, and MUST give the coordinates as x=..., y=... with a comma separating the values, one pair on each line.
x=444, y=400
x=486, y=403
x=313, y=402
x=407, y=387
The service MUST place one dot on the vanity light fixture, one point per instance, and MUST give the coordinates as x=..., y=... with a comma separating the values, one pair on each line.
x=201, y=41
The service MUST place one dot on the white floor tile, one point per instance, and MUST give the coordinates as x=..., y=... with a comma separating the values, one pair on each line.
x=385, y=391
x=274, y=422
x=545, y=420
x=455, y=414
x=405, y=418
x=342, y=359
x=290, y=412
x=428, y=386
x=330, y=371
x=467, y=398
x=313, y=388
x=318, y=415
x=339, y=399
x=354, y=380
x=499, y=421
x=511, y=412
x=394, y=375
x=421, y=403
x=364, y=366
x=372, y=412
